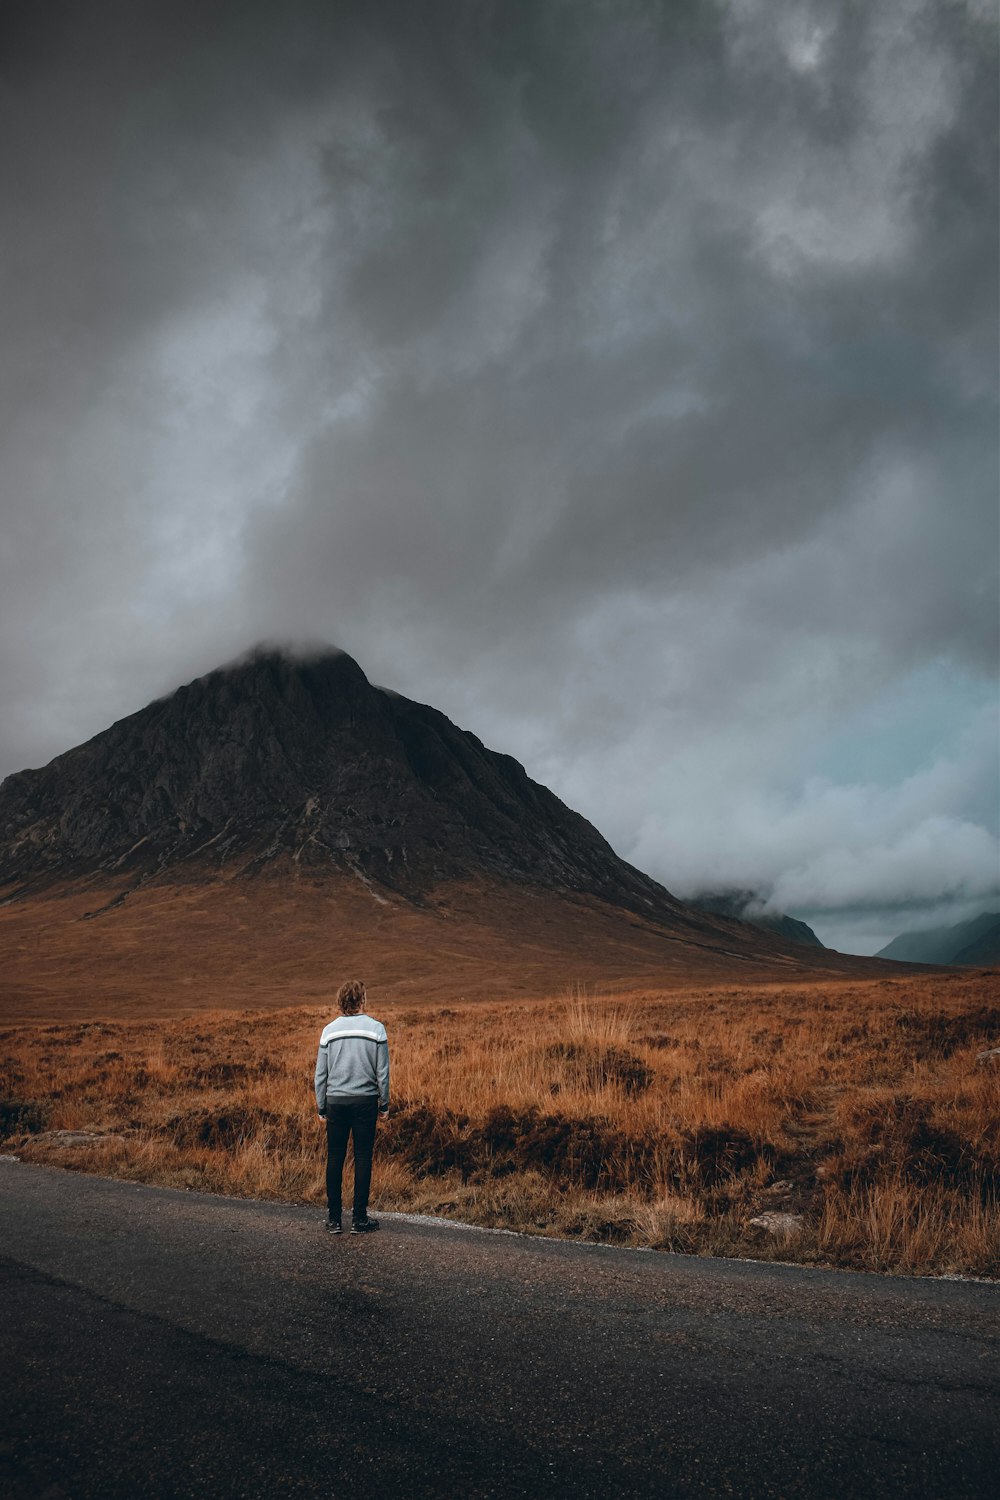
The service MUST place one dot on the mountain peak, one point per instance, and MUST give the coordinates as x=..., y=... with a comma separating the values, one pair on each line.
x=291, y=653
x=274, y=664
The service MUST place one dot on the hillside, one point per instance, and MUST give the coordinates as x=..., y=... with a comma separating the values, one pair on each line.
x=974, y=943
x=746, y=907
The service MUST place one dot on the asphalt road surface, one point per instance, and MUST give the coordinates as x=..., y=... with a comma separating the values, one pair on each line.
x=169, y=1344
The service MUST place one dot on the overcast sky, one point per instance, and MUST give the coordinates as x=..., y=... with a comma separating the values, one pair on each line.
x=619, y=378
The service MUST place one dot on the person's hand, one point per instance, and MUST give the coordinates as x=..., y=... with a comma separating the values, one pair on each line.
x=321, y=1117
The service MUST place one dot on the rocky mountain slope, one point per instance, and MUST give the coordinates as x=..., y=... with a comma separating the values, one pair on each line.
x=303, y=759
x=745, y=906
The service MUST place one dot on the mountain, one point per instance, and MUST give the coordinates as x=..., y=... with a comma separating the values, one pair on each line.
x=743, y=905
x=306, y=759
x=282, y=821
x=975, y=943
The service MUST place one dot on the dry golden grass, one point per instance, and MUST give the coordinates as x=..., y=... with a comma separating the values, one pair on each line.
x=664, y=1119
x=90, y=951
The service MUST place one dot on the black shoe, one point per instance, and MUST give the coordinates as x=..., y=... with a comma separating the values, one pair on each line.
x=364, y=1226
x=335, y=1226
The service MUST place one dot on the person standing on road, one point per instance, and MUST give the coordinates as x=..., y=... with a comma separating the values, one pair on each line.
x=352, y=1090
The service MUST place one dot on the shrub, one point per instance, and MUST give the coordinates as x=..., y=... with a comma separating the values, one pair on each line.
x=710, y=1154
x=595, y=1067
x=233, y=1126
x=893, y=1136
x=21, y=1117
x=939, y=1034
x=567, y=1150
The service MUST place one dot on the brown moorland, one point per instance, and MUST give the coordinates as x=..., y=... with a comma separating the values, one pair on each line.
x=859, y=1113
x=92, y=949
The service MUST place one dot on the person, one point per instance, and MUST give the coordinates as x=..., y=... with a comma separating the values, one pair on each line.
x=352, y=1090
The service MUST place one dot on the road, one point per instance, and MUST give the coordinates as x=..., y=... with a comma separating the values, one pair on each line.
x=172, y=1344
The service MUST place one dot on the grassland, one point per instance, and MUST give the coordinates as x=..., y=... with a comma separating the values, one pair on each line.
x=96, y=951
x=661, y=1119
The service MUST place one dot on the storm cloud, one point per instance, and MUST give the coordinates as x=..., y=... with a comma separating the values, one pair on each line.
x=620, y=378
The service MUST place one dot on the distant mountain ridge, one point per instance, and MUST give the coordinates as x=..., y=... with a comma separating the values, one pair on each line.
x=974, y=943
x=740, y=904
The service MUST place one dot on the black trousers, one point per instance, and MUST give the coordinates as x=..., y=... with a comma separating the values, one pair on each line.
x=357, y=1118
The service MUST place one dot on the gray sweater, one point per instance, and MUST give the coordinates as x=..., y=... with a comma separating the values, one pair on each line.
x=353, y=1061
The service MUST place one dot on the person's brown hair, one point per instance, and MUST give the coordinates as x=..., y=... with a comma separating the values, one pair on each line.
x=351, y=997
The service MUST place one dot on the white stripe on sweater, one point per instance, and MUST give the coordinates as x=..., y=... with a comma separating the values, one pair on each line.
x=332, y=1035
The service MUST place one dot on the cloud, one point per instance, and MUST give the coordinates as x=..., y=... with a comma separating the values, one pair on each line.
x=620, y=379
